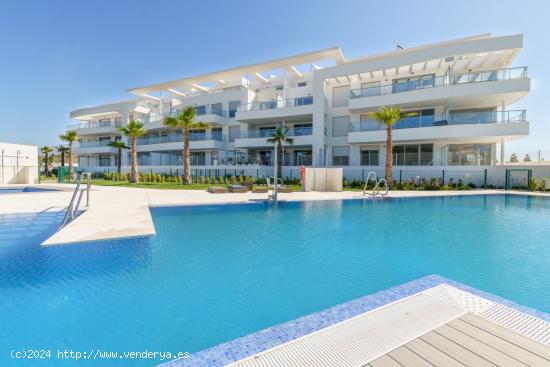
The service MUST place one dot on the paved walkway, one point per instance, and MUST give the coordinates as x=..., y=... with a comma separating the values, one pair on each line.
x=124, y=212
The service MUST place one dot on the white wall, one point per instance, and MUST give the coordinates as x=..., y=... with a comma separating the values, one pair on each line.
x=18, y=164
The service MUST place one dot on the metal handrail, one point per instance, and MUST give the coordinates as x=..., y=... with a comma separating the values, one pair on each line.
x=377, y=186
x=72, y=209
x=274, y=187
x=367, y=181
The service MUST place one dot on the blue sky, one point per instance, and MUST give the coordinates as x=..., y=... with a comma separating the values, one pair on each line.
x=58, y=56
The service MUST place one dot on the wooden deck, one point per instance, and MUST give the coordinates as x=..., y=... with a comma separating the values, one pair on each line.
x=467, y=341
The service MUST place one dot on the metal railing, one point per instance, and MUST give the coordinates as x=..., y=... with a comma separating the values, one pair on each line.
x=274, y=104
x=440, y=81
x=458, y=118
x=72, y=209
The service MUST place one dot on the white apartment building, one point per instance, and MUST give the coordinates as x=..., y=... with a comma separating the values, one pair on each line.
x=463, y=91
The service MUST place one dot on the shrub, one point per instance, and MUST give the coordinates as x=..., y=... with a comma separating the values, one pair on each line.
x=207, y=181
x=534, y=184
x=543, y=183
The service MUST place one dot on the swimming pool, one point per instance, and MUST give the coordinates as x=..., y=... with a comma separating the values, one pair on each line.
x=215, y=273
x=16, y=190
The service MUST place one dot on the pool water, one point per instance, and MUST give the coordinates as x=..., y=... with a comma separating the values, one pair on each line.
x=215, y=273
x=17, y=190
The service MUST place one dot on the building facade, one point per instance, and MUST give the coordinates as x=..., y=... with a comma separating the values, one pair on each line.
x=462, y=91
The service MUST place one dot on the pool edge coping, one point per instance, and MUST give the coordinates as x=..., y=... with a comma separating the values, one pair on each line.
x=273, y=336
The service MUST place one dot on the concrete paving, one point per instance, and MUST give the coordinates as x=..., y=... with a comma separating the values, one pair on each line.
x=116, y=212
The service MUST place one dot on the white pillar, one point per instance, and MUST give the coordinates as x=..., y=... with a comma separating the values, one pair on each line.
x=502, y=152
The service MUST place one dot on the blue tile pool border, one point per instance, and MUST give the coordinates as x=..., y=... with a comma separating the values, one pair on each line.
x=249, y=345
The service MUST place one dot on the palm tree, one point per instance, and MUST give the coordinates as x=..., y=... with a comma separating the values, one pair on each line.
x=389, y=116
x=61, y=149
x=280, y=136
x=134, y=129
x=186, y=121
x=70, y=137
x=46, y=150
x=119, y=145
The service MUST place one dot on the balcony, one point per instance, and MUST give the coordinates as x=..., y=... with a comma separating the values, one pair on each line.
x=174, y=141
x=258, y=138
x=469, y=89
x=215, y=116
x=292, y=109
x=97, y=127
x=94, y=146
x=490, y=126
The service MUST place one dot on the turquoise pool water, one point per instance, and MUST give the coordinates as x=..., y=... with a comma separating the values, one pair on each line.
x=215, y=273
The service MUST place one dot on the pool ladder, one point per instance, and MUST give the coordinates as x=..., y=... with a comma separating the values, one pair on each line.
x=274, y=183
x=72, y=209
x=380, y=188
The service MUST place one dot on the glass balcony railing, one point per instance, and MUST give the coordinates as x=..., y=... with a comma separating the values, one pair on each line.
x=96, y=124
x=202, y=110
x=458, y=118
x=271, y=105
x=440, y=81
x=93, y=143
x=178, y=138
x=267, y=133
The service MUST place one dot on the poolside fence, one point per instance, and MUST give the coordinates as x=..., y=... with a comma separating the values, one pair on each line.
x=511, y=176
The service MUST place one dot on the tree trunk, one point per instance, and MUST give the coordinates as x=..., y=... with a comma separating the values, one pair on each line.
x=119, y=163
x=134, y=178
x=186, y=158
x=71, y=167
x=62, y=158
x=389, y=156
x=46, y=171
x=279, y=160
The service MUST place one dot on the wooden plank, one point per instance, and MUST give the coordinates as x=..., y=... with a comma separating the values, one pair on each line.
x=509, y=335
x=385, y=361
x=498, y=343
x=432, y=354
x=454, y=350
x=407, y=358
x=483, y=350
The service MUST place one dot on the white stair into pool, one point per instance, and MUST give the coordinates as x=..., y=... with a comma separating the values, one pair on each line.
x=359, y=340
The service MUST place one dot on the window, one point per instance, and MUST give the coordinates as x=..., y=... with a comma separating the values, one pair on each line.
x=233, y=107
x=302, y=129
x=370, y=156
x=302, y=84
x=412, y=83
x=234, y=132
x=201, y=110
x=104, y=160
x=302, y=157
x=303, y=101
x=370, y=89
x=340, y=126
x=279, y=87
x=369, y=124
x=472, y=116
x=198, y=158
x=340, y=96
x=217, y=109
x=469, y=155
x=217, y=133
x=413, y=155
x=265, y=131
x=340, y=156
